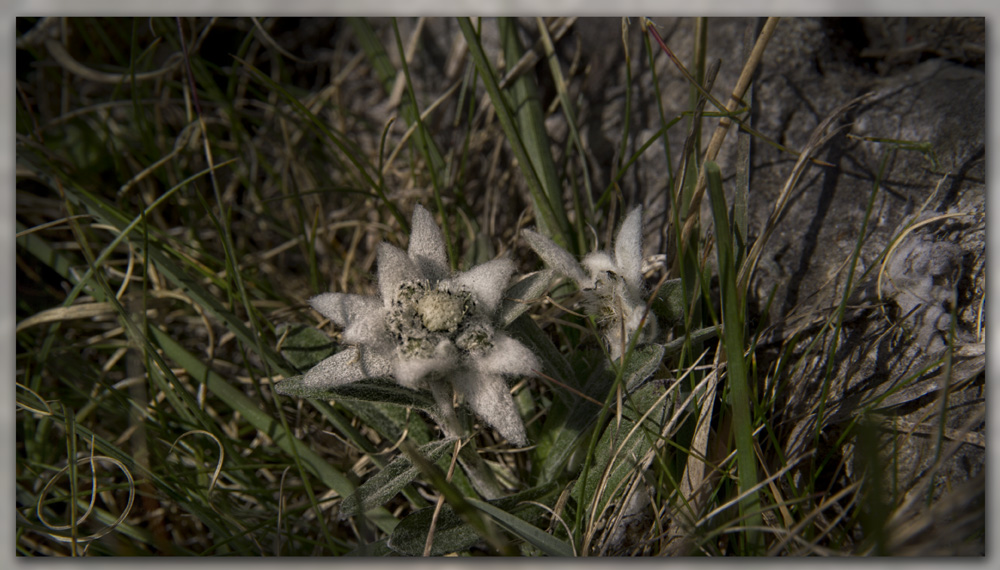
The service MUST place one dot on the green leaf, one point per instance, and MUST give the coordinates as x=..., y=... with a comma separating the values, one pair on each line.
x=621, y=447
x=391, y=480
x=372, y=390
x=451, y=533
x=641, y=364
x=304, y=346
x=668, y=304
x=561, y=437
x=524, y=329
x=515, y=301
x=389, y=420
x=377, y=548
x=572, y=417
x=519, y=527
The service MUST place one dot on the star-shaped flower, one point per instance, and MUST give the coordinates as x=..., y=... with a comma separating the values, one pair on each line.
x=613, y=286
x=430, y=329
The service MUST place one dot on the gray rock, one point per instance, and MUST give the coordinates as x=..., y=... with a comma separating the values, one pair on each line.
x=920, y=135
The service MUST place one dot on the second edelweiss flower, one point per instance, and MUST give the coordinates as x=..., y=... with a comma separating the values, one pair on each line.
x=613, y=286
x=430, y=329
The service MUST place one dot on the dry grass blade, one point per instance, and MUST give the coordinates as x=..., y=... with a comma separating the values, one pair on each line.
x=72, y=312
x=60, y=54
x=399, y=85
x=557, y=30
x=752, y=490
x=48, y=225
x=271, y=42
x=951, y=519
x=222, y=453
x=92, y=459
x=902, y=236
x=695, y=485
x=440, y=501
x=735, y=99
x=798, y=532
x=821, y=134
x=416, y=124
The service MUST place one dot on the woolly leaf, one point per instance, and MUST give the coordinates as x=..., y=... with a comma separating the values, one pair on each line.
x=628, y=248
x=394, y=267
x=392, y=479
x=515, y=301
x=451, y=533
x=621, y=448
x=346, y=367
x=668, y=303
x=371, y=390
x=641, y=364
x=304, y=346
x=487, y=282
x=555, y=257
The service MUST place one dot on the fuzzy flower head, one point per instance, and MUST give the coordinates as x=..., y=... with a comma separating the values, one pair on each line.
x=612, y=283
x=430, y=329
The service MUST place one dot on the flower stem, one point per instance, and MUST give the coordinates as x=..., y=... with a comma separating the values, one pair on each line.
x=479, y=473
x=448, y=419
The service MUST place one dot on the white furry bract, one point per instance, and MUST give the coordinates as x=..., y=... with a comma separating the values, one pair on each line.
x=613, y=286
x=429, y=326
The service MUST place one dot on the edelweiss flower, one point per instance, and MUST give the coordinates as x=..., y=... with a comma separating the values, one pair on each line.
x=613, y=286
x=430, y=329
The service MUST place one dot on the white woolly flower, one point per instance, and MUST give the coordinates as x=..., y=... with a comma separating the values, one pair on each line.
x=612, y=283
x=430, y=329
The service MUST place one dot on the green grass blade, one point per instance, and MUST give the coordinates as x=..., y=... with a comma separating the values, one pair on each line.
x=426, y=142
x=361, y=165
x=531, y=126
x=181, y=279
x=546, y=211
x=569, y=110
x=736, y=369
x=519, y=527
x=266, y=424
x=453, y=533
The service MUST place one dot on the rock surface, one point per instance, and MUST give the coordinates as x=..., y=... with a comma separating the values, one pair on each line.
x=920, y=134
